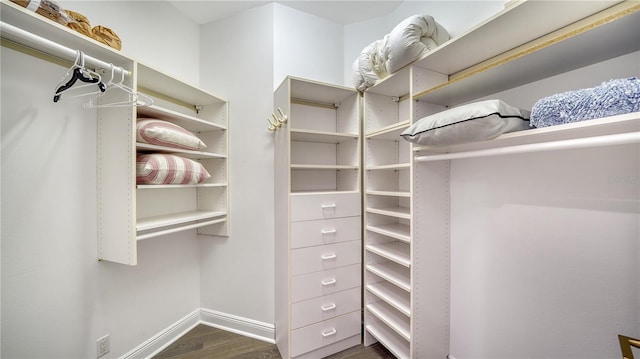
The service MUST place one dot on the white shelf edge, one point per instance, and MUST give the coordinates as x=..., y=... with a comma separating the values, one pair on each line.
x=156, y=222
x=323, y=167
x=586, y=142
x=178, y=151
x=313, y=193
x=400, y=126
x=392, y=295
x=389, y=193
x=397, y=231
x=398, y=212
x=397, y=323
x=180, y=229
x=395, y=347
x=178, y=186
x=392, y=167
x=391, y=272
x=164, y=114
x=397, y=252
x=324, y=133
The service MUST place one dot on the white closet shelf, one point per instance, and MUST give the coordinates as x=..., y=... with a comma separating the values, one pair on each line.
x=603, y=131
x=321, y=136
x=471, y=47
x=545, y=56
x=323, y=167
x=166, y=85
x=312, y=192
x=396, y=345
x=178, y=186
x=38, y=25
x=391, y=132
x=394, y=85
x=397, y=252
x=398, y=231
x=392, y=272
x=391, y=167
x=390, y=193
x=395, y=320
x=191, y=123
x=398, y=212
x=156, y=222
x=392, y=295
x=176, y=151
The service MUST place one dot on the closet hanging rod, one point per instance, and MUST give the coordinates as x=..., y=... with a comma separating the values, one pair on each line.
x=47, y=46
x=596, y=141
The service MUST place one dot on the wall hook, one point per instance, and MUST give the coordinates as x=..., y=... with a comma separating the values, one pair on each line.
x=284, y=117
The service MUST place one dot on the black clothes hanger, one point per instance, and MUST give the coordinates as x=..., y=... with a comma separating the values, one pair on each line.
x=78, y=74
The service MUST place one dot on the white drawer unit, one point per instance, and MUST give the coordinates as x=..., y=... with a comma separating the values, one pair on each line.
x=317, y=284
x=321, y=334
x=325, y=231
x=318, y=226
x=319, y=206
x=318, y=258
x=326, y=307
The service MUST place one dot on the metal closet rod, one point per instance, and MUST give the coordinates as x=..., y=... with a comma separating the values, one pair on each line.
x=39, y=43
x=597, y=141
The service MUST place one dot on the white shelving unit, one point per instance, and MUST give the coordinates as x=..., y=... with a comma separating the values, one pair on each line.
x=318, y=219
x=406, y=188
x=130, y=212
x=127, y=212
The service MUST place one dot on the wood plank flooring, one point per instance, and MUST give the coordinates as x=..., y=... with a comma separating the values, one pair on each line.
x=207, y=342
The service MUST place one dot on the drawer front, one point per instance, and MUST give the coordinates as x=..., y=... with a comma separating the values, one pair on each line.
x=317, y=284
x=329, y=306
x=319, y=206
x=324, y=231
x=318, y=258
x=324, y=333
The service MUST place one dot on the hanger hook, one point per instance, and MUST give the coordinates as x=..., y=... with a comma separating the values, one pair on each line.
x=284, y=117
x=271, y=127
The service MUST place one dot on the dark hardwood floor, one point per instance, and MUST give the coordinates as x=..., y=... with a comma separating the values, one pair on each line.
x=207, y=342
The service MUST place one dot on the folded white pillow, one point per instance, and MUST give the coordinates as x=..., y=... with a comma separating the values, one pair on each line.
x=478, y=121
x=168, y=134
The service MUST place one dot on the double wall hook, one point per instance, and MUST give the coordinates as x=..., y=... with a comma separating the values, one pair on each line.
x=277, y=121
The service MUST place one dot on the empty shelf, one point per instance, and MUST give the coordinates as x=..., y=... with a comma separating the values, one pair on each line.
x=396, y=345
x=398, y=231
x=397, y=252
x=156, y=222
x=392, y=295
x=399, y=212
x=191, y=123
x=397, y=321
x=392, y=272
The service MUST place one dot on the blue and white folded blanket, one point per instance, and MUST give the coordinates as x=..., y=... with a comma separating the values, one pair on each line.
x=614, y=97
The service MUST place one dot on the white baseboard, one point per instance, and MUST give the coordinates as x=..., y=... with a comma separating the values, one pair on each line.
x=164, y=338
x=239, y=325
x=232, y=323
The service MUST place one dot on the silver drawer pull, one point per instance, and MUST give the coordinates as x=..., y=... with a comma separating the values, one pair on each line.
x=328, y=231
x=327, y=282
x=327, y=257
x=328, y=307
x=324, y=206
x=329, y=332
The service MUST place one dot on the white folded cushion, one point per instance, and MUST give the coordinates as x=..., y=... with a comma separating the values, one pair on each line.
x=478, y=121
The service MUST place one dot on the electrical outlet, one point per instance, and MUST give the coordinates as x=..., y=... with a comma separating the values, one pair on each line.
x=103, y=345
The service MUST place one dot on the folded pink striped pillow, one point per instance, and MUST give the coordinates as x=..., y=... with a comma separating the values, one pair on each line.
x=158, y=168
x=168, y=134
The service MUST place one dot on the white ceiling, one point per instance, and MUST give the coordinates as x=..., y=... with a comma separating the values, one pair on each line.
x=339, y=11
